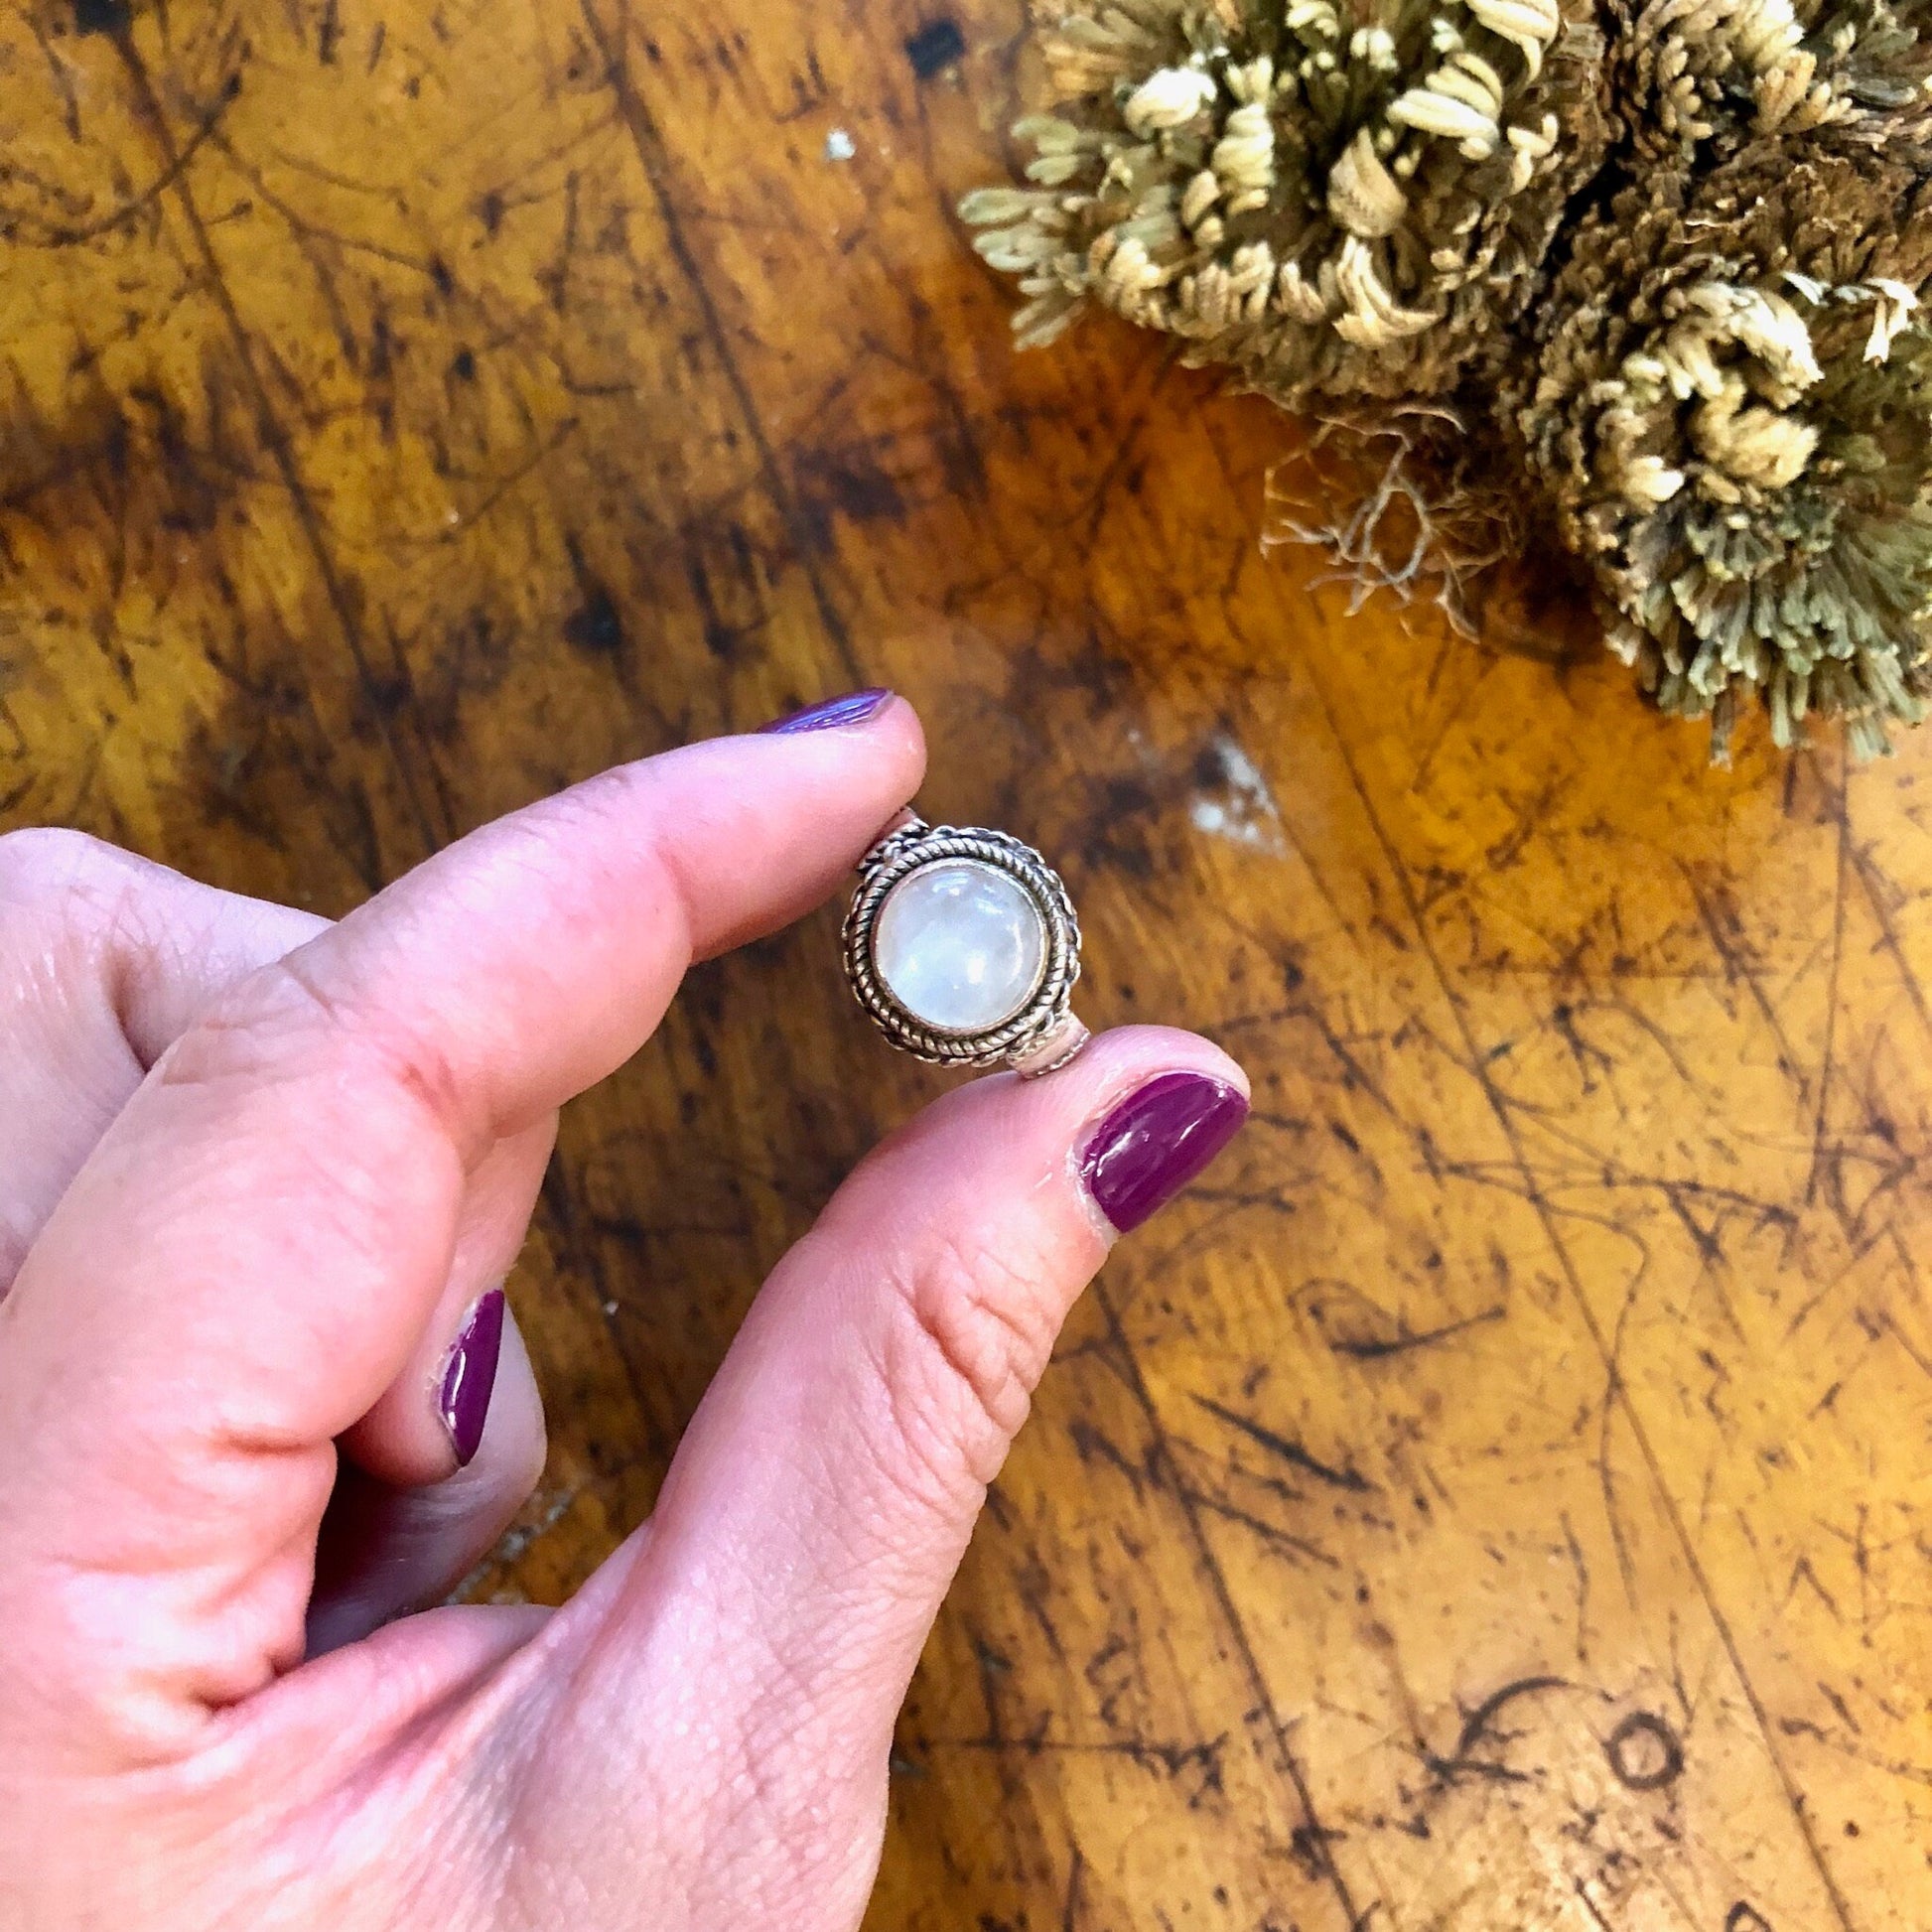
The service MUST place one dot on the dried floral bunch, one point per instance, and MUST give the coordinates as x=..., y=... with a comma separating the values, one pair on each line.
x=1659, y=260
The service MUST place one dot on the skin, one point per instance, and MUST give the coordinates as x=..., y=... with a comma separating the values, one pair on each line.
x=254, y=1170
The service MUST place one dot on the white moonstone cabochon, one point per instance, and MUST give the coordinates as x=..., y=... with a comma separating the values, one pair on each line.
x=960, y=945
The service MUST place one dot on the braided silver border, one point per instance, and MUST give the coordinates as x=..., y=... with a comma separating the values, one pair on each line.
x=907, y=850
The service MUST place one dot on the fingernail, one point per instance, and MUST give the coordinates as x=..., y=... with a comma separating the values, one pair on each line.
x=829, y=713
x=1156, y=1140
x=469, y=1374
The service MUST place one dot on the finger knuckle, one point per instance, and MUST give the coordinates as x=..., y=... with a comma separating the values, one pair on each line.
x=284, y=1020
x=981, y=1323
x=44, y=867
x=67, y=900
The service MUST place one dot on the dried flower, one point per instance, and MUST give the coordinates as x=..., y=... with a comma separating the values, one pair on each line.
x=1661, y=260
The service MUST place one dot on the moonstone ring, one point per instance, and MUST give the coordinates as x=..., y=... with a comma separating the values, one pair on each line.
x=962, y=944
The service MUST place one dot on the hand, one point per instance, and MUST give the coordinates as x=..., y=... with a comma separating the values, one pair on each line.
x=259, y=1177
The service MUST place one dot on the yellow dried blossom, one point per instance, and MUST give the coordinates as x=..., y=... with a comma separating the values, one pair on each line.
x=1653, y=267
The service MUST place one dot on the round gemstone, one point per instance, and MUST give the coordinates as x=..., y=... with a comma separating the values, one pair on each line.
x=960, y=945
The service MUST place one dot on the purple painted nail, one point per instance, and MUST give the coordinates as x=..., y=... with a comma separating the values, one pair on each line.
x=469, y=1374
x=827, y=715
x=1156, y=1140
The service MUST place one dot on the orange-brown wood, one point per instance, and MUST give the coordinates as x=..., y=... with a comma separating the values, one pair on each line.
x=1497, y=1497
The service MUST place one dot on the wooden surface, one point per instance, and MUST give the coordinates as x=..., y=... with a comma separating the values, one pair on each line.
x=1497, y=1497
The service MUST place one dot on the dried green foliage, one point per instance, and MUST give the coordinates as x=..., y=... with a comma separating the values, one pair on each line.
x=1661, y=263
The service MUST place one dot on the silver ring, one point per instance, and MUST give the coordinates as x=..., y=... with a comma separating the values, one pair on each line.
x=963, y=945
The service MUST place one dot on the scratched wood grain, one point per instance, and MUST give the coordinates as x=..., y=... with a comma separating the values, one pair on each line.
x=1497, y=1497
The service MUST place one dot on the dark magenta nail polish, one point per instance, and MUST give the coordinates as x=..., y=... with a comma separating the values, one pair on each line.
x=827, y=715
x=1156, y=1140
x=469, y=1374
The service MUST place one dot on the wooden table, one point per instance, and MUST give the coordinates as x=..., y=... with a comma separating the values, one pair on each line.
x=1497, y=1497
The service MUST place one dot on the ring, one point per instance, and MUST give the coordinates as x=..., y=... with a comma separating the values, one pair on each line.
x=963, y=945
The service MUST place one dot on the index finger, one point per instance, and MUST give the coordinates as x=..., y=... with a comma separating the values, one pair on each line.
x=243, y=1266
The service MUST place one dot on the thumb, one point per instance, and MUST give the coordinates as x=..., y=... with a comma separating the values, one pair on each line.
x=826, y=1491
